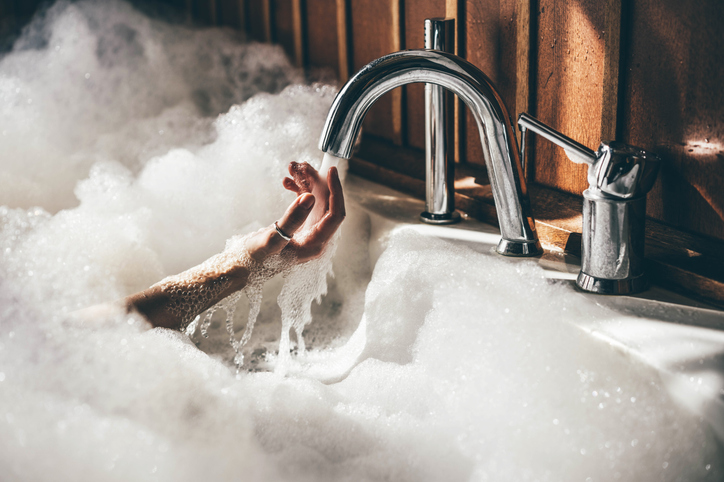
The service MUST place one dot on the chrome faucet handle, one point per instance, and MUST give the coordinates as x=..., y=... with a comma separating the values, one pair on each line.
x=618, y=170
x=622, y=170
x=614, y=210
x=575, y=151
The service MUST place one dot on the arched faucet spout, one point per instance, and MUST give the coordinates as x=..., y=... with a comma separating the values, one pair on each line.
x=500, y=148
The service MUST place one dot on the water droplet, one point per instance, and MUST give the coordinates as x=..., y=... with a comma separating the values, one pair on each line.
x=2, y=377
x=555, y=421
x=708, y=466
x=87, y=75
x=634, y=442
x=665, y=464
x=583, y=451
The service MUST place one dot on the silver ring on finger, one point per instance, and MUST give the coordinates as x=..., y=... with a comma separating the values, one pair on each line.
x=281, y=233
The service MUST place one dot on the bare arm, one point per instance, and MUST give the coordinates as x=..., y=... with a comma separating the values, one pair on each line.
x=177, y=300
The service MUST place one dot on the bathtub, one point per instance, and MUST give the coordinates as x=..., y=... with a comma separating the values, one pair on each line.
x=430, y=357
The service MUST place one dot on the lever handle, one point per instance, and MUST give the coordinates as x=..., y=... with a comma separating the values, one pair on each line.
x=575, y=151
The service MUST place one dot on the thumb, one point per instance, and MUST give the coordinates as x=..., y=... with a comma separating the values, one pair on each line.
x=296, y=214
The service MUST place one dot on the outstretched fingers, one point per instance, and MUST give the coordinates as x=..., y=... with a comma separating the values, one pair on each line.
x=302, y=177
x=325, y=229
x=290, y=185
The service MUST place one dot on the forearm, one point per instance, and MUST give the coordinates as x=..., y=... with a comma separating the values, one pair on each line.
x=175, y=301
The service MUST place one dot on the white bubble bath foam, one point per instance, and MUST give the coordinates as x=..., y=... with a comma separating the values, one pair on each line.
x=132, y=149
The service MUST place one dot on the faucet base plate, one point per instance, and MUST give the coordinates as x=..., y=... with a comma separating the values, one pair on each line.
x=605, y=286
x=507, y=247
x=449, y=218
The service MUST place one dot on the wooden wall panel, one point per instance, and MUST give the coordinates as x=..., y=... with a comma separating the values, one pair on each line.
x=568, y=86
x=416, y=11
x=376, y=32
x=284, y=26
x=322, y=35
x=231, y=13
x=491, y=46
x=258, y=15
x=673, y=103
x=203, y=11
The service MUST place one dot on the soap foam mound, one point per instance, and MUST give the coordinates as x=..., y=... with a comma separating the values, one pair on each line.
x=94, y=80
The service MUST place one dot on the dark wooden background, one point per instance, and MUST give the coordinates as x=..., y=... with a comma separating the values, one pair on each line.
x=647, y=72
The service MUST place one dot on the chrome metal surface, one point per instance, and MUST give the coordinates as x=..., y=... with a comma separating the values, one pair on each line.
x=603, y=286
x=447, y=218
x=614, y=210
x=613, y=237
x=500, y=148
x=575, y=151
x=623, y=171
x=439, y=163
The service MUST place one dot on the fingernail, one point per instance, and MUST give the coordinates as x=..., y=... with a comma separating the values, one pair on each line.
x=307, y=201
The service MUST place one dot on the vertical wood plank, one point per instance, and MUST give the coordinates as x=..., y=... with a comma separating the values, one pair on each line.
x=283, y=16
x=568, y=86
x=397, y=94
x=213, y=12
x=189, y=11
x=376, y=32
x=673, y=104
x=259, y=20
x=343, y=40
x=321, y=35
x=522, y=84
x=298, y=29
x=241, y=14
x=231, y=13
x=482, y=39
x=454, y=9
x=611, y=61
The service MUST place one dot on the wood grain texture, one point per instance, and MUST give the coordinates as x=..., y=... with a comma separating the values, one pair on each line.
x=416, y=11
x=376, y=32
x=522, y=73
x=610, y=101
x=344, y=48
x=568, y=86
x=299, y=33
x=259, y=20
x=673, y=73
x=231, y=13
x=321, y=33
x=490, y=46
x=204, y=11
x=283, y=14
x=455, y=9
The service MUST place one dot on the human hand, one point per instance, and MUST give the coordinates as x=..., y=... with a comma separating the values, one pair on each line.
x=311, y=220
x=326, y=216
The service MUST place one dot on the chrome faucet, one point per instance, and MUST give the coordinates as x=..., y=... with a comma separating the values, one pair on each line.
x=500, y=148
x=614, y=210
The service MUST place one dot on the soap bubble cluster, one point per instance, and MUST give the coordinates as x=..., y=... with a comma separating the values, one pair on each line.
x=144, y=148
